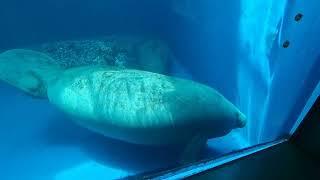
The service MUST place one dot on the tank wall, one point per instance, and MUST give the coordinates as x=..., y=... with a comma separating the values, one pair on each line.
x=235, y=47
x=36, y=21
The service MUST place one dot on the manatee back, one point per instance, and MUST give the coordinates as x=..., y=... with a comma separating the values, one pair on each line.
x=27, y=70
x=130, y=97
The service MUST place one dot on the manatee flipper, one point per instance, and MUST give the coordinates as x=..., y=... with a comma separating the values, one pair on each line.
x=192, y=150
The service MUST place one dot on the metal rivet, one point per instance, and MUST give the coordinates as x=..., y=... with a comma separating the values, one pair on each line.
x=298, y=17
x=286, y=44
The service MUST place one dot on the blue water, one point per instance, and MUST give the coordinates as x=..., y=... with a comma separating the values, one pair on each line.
x=232, y=46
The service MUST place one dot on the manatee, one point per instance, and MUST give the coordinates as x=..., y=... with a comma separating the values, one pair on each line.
x=131, y=105
x=122, y=51
x=28, y=70
x=143, y=107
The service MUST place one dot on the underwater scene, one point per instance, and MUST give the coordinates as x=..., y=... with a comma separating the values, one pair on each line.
x=110, y=89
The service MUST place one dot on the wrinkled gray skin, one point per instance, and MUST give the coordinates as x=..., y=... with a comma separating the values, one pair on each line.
x=142, y=107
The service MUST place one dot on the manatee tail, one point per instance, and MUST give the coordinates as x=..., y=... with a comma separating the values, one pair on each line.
x=27, y=70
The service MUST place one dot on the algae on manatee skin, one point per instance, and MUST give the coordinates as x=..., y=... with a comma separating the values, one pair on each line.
x=132, y=52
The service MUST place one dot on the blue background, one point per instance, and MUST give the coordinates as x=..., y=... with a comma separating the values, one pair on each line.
x=39, y=142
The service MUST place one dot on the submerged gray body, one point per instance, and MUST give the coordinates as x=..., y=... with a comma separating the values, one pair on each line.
x=142, y=107
x=134, y=106
x=122, y=51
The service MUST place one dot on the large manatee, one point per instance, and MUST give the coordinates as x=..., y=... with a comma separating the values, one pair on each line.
x=142, y=107
x=131, y=105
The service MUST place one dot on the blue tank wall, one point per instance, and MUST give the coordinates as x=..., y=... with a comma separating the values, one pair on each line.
x=296, y=72
x=25, y=22
x=220, y=43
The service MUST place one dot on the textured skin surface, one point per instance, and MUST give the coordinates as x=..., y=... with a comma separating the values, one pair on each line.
x=27, y=70
x=119, y=51
x=142, y=107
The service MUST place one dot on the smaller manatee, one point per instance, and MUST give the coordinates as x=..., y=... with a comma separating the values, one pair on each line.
x=28, y=70
x=122, y=51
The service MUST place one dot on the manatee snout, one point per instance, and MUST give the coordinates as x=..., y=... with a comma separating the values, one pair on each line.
x=241, y=120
